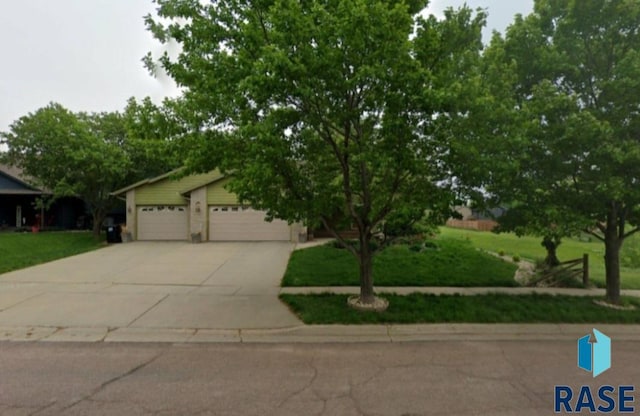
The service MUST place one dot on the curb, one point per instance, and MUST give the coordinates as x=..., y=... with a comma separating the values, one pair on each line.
x=305, y=334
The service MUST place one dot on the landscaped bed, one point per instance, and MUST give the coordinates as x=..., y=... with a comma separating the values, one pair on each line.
x=20, y=250
x=491, y=308
x=442, y=262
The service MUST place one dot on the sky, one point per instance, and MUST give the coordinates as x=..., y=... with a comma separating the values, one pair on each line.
x=86, y=54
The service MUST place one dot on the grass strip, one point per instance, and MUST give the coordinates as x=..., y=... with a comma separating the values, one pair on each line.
x=491, y=308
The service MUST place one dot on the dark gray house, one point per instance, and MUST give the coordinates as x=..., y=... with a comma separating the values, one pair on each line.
x=18, y=204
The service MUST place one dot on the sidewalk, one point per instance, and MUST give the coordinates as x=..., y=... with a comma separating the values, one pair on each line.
x=293, y=332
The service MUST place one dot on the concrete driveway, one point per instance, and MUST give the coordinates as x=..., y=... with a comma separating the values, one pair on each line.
x=152, y=285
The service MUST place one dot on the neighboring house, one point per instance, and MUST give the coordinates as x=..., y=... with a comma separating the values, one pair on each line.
x=18, y=203
x=17, y=199
x=197, y=208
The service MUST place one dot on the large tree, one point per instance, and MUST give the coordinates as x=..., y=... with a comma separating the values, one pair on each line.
x=89, y=155
x=573, y=145
x=322, y=109
x=71, y=154
x=150, y=139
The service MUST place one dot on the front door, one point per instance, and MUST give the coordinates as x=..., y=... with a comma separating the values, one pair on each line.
x=18, y=215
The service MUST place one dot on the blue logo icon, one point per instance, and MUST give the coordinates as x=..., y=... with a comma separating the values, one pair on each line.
x=594, y=353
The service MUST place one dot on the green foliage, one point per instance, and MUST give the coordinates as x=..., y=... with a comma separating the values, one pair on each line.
x=70, y=154
x=88, y=155
x=454, y=263
x=492, y=308
x=151, y=135
x=323, y=110
x=403, y=222
x=20, y=250
x=565, y=77
x=516, y=258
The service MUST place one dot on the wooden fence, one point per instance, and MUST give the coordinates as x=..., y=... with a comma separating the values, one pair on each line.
x=576, y=268
x=480, y=225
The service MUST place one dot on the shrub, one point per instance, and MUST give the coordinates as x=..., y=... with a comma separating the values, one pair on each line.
x=501, y=252
x=516, y=258
x=416, y=248
x=630, y=253
x=430, y=245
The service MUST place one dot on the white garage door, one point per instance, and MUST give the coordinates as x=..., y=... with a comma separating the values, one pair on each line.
x=244, y=224
x=163, y=223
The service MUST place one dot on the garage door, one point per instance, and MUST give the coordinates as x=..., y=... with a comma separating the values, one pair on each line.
x=244, y=224
x=163, y=223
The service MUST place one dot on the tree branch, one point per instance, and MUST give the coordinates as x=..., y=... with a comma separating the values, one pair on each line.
x=593, y=233
x=386, y=208
x=630, y=233
x=332, y=229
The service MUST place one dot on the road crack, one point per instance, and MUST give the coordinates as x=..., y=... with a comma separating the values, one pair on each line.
x=304, y=388
x=107, y=383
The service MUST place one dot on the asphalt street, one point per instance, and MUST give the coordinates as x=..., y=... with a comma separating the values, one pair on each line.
x=424, y=378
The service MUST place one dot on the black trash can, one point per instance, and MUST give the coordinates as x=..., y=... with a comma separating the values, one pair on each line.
x=113, y=234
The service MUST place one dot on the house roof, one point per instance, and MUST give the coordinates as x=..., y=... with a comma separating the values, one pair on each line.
x=202, y=180
x=145, y=182
x=17, y=176
x=208, y=178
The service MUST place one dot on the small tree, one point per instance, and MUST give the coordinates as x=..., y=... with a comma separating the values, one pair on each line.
x=526, y=218
x=321, y=107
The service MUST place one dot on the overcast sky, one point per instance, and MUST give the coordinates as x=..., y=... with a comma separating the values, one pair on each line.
x=85, y=54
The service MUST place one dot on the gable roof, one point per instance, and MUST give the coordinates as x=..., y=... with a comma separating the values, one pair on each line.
x=198, y=181
x=15, y=175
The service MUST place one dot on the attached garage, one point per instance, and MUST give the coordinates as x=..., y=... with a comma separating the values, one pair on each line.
x=163, y=222
x=237, y=223
x=197, y=207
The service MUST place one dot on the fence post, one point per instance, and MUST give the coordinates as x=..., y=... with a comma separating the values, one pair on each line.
x=585, y=269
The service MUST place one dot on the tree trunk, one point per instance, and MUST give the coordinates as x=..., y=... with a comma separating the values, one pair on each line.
x=365, y=261
x=98, y=218
x=612, y=245
x=612, y=267
x=551, y=246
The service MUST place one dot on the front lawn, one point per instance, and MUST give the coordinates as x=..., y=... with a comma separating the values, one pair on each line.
x=20, y=250
x=571, y=248
x=491, y=308
x=451, y=262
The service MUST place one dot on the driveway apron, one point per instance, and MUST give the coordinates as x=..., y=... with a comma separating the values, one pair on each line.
x=171, y=285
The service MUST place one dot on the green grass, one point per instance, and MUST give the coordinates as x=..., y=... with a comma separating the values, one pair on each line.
x=571, y=248
x=20, y=250
x=491, y=308
x=455, y=262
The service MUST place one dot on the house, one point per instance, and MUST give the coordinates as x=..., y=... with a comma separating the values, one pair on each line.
x=18, y=198
x=197, y=208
